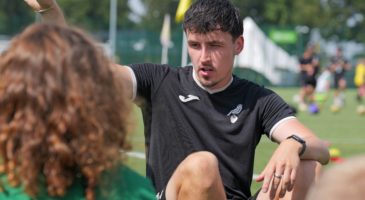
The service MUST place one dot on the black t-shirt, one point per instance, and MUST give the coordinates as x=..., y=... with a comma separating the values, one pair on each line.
x=309, y=60
x=339, y=62
x=181, y=118
x=305, y=61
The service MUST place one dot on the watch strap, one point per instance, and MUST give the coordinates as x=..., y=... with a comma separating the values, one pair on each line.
x=301, y=141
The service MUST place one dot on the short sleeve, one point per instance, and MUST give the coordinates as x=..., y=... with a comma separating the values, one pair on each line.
x=148, y=78
x=273, y=109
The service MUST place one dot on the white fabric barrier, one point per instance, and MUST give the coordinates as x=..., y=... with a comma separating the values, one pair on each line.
x=263, y=55
x=3, y=45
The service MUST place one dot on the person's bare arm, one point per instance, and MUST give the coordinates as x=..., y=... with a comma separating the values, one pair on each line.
x=285, y=160
x=124, y=78
x=49, y=10
x=316, y=148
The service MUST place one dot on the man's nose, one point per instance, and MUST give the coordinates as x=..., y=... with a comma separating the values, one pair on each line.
x=205, y=55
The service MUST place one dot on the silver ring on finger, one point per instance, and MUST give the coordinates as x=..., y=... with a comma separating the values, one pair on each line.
x=279, y=176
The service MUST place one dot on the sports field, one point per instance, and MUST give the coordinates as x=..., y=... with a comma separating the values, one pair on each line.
x=345, y=130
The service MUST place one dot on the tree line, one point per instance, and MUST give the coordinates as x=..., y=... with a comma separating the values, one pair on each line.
x=337, y=19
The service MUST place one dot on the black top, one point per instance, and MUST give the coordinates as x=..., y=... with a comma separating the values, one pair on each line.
x=180, y=118
x=309, y=60
x=305, y=61
x=339, y=62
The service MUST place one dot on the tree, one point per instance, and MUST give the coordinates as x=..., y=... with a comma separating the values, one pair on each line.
x=92, y=15
x=346, y=20
x=337, y=19
x=14, y=16
x=155, y=12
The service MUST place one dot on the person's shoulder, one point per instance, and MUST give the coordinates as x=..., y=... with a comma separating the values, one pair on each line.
x=11, y=193
x=150, y=65
x=187, y=70
x=138, y=187
x=158, y=67
x=250, y=87
x=341, y=181
x=123, y=182
x=247, y=83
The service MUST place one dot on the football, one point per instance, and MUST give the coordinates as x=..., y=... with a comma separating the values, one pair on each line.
x=360, y=110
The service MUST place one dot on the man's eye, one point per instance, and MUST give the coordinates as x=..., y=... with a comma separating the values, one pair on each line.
x=193, y=45
x=215, y=45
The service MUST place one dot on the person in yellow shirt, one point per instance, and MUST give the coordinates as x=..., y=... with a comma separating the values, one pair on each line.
x=359, y=80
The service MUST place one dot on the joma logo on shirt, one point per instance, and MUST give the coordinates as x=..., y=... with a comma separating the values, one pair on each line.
x=190, y=97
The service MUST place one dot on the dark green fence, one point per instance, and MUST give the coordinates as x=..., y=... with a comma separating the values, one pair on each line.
x=144, y=46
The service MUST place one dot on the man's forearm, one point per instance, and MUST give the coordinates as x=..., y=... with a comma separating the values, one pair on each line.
x=53, y=15
x=316, y=150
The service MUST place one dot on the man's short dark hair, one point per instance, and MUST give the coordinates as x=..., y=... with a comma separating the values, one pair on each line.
x=208, y=15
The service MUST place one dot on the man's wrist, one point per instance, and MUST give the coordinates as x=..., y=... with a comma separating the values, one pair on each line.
x=301, y=141
x=44, y=10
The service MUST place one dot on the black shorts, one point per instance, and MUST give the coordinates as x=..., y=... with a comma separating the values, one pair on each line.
x=337, y=78
x=302, y=78
x=254, y=197
x=305, y=80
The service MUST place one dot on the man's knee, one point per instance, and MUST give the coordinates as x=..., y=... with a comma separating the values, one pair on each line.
x=201, y=166
x=307, y=174
x=203, y=159
x=197, y=177
x=308, y=171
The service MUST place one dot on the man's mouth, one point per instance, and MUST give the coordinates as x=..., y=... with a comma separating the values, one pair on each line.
x=205, y=71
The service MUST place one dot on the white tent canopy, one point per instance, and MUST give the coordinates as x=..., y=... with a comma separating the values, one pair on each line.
x=3, y=45
x=263, y=55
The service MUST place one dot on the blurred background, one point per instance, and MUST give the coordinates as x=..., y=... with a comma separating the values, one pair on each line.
x=290, y=24
x=277, y=32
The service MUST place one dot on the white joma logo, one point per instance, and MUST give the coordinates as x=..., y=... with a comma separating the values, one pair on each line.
x=188, y=98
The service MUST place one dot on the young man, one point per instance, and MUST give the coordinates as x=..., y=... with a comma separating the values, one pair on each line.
x=202, y=124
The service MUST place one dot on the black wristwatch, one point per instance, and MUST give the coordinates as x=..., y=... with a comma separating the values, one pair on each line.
x=301, y=141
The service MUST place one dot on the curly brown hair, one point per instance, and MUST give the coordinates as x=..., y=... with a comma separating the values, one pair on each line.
x=61, y=110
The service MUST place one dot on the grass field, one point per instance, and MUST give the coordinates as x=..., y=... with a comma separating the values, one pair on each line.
x=345, y=130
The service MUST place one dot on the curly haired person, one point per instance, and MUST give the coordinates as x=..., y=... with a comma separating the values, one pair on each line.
x=60, y=134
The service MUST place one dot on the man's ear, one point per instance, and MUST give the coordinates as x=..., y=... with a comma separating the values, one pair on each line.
x=239, y=44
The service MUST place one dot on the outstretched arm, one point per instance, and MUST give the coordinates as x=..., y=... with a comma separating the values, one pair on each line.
x=51, y=13
x=125, y=77
x=48, y=9
x=285, y=161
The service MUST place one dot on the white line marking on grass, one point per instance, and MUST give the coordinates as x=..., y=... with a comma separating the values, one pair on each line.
x=254, y=176
x=136, y=154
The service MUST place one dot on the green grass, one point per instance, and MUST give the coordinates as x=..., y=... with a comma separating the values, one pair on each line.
x=345, y=130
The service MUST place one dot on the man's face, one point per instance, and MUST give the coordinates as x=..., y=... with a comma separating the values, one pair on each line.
x=212, y=55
